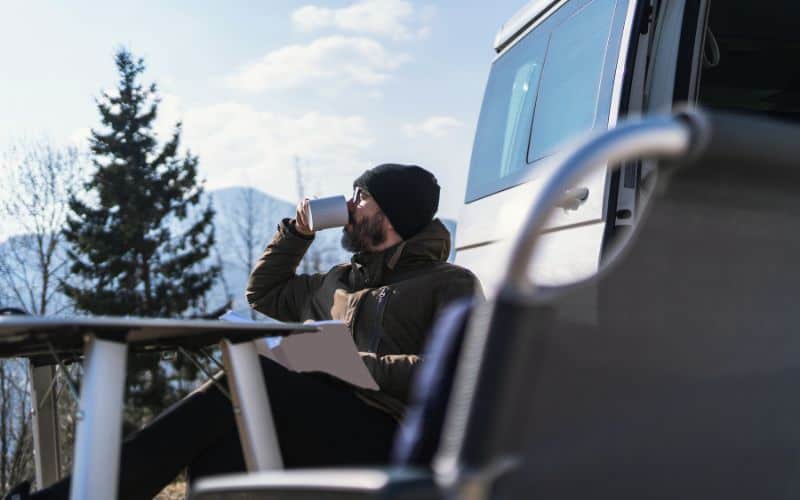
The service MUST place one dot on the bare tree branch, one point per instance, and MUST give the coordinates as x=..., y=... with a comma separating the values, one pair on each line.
x=40, y=179
x=16, y=453
x=251, y=232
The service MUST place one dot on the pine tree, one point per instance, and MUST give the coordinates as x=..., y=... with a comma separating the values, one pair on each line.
x=139, y=239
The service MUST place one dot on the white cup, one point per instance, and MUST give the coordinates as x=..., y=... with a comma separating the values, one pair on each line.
x=324, y=213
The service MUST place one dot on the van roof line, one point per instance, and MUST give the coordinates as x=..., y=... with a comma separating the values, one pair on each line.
x=520, y=21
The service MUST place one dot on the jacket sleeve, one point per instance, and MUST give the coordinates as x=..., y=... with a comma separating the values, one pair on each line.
x=394, y=373
x=273, y=287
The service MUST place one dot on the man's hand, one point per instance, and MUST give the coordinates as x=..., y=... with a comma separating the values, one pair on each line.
x=301, y=218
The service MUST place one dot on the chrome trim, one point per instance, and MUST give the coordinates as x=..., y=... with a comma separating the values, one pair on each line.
x=664, y=137
x=517, y=22
x=524, y=21
x=622, y=62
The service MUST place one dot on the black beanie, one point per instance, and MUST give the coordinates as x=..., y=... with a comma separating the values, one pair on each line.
x=407, y=194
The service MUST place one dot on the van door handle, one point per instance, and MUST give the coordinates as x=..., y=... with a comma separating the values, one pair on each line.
x=573, y=198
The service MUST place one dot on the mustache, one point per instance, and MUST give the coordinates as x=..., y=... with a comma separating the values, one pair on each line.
x=363, y=235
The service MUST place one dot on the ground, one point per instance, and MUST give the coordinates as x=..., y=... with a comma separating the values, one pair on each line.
x=173, y=491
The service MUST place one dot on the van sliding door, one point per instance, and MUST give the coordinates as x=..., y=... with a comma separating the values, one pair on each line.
x=556, y=82
x=666, y=73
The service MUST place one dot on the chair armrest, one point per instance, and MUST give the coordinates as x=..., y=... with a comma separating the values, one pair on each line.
x=307, y=484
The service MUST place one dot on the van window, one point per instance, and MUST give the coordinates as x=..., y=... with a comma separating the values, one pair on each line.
x=519, y=108
x=552, y=85
x=567, y=99
x=507, y=110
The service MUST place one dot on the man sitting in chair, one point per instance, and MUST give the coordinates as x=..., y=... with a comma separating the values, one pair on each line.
x=389, y=295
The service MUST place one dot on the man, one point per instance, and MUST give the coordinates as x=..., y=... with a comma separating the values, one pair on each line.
x=391, y=291
x=389, y=295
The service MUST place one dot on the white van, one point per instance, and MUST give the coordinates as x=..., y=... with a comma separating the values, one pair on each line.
x=566, y=68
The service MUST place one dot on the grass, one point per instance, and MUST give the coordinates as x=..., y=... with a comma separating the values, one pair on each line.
x=174, y=491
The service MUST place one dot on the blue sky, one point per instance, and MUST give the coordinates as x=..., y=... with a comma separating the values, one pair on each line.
x=343, y=85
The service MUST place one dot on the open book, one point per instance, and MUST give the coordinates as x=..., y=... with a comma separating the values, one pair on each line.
x=331, y=350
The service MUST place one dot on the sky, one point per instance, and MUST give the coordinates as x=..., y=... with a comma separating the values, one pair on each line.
x=334, y=86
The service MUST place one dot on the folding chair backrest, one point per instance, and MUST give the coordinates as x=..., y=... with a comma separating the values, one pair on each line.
x=420, y=431
x=688, y=386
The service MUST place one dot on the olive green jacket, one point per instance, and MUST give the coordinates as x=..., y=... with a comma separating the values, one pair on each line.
x=388, y=299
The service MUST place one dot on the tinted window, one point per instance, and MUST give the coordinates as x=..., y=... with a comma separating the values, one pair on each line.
x=507, y=111
x=549, y=87
x=567, y=99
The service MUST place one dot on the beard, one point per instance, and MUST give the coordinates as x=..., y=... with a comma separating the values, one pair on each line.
x=364, y=235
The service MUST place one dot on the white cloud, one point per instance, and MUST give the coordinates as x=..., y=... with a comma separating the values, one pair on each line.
x=241, y=146
x=330, y=62
x=111, y=92
x=310, y=18
x=395, y=19
x=426, y=15
x=435, y=126
x=169, y=114
x=80, y=138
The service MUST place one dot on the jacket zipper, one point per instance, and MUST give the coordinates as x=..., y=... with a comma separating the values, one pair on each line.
x=377, y=329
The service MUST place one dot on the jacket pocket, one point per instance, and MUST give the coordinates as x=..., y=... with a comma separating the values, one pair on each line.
x=355, y=302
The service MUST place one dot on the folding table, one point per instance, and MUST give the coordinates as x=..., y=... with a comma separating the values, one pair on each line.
x=104, y=342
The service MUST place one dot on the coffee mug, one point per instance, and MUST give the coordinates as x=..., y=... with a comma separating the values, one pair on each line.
x=324, y=213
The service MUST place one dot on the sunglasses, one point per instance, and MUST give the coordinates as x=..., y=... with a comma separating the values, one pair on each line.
x=360, y=194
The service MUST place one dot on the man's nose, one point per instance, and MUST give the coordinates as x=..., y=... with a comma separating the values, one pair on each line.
x=351, y=205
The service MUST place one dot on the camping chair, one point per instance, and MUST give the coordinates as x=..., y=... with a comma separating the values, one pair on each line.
x=685, y=387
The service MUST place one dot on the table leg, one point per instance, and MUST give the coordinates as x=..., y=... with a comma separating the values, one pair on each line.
x=99, y=430
x=47, y=457
x=251, y=406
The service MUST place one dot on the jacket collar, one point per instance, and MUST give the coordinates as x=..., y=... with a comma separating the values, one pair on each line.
x=430, y=245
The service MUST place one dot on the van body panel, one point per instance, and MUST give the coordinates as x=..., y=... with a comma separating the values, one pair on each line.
x=576, y=251
x=663, y=71
x=500, y=216
x=661, y=81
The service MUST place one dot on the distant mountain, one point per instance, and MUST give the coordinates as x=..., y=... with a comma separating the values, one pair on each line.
x=240, y=208
x=245, y=217
x=451, y=225
x=230, y=198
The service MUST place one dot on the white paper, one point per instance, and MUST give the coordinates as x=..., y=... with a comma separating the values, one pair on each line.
x=331, y=350
x=235, y=317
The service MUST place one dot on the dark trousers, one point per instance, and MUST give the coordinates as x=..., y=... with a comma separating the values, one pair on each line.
x=319, y=421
